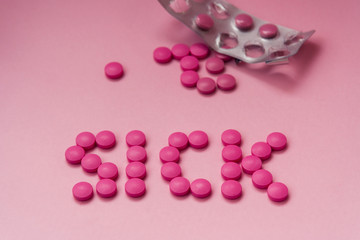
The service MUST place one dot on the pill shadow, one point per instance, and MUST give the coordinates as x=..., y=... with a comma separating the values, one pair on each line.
x=109, y=199
x=136, y=199
x=282, y=202
x=84, y=202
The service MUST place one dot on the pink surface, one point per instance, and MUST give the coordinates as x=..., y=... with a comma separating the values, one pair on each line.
x=53, y=87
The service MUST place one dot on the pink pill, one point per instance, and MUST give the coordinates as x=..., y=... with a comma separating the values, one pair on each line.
x=198, y=139
x=189, y=78
x=85, y=140
x=223, y=57
x=114, y=70
x=108, y=170
x=136, y=154
x=178, y=140
x=231, y=189
x=106, y=188
x=261, y=150
x=232, y=153
x=135, y=138
x=90, y=162
x=169, y=154
x=231, y=171
x=206, y=85
x=162, y=55
x=226, y=82
x=179, y=186
x=250, y=164
x=262, y=178
x=277, y=192
x=135, y=187
x=180, y=50
x=199, y=50
x=82, y=191
x=243, y=22
x=277, y=141
x=268, y=31
x=136, y=170
x=74, y=154
x=170, y=170
x=231, y=137
x=200, y=188
x=105, y=139
x=215, y=65
x=189, y=63
x=204, y=22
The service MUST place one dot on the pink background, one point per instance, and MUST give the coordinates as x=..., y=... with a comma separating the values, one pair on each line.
x=52, y=55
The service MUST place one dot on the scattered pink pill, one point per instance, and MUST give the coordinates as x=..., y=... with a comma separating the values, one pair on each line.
x=215, y=65
x=179, y=186
x=135, y=138
x=189, y=78
x=105, y=139
x=277, y=141
x=169, y=154
x=232, y=153
x=226, y=82
x=250, y=164
x=85, y=140
x=243, y=22
x=199, y=50
x=198, y=139
x=261, y=150
x=268, y=31
x=180, y=50
x=162, y=55
x=231, y=171
x=74, y=154
x=189, y=63
x=114, y=70
x=136, y=154
x=277, y=192
x=106, y=188
x=90, y=162
x=178, y=140
x=262, y=178
x=231, y=189
x=206, y=85
x=82, y=191
x=223, y=57
x=231, y=137
x=135, y=187
x=170, y=170
x=200, y=188
x=108, y=170
x=136, y=170
x=204, y=22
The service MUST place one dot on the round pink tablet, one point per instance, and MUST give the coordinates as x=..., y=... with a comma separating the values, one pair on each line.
x=189, y=78
x=85, y=140
x=90, y=162
x=277, y=141
x=179, y=186
x=106, y=188
x=206, y=85
x=136, y=170
x=162, y=55
x=204, y=22
x=262, y=178
x=189, y=63
x=169, y=154
x=170, y=170
x=231, y=137
x=231, y=171
x=180, y=50
x=135, y=187
x=226, y=82
x=261, y=150
x=198, y=139
x=243, y=22
x=82, y=191
x=250, y=164
x=74, y=154
x=215, y=65
x=199, y=50
x=114, y=70
x=231, y=189
x=178, y=140
x=108, y=170
x=232, y=153
x=277, y=191
x=136, y=154
x=223, y=57
x=135, y=138
x=105, y=139
x=268, y=31
x=200, y=188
